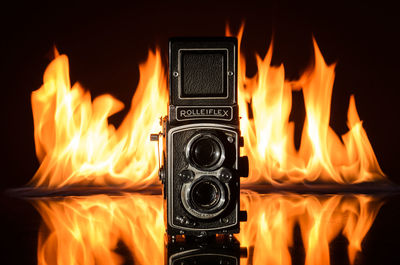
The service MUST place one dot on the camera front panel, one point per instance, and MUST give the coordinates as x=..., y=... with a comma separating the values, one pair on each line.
x=202, y=181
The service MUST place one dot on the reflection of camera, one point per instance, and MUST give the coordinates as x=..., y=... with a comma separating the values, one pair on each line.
x=201, y=138
x=213, y=251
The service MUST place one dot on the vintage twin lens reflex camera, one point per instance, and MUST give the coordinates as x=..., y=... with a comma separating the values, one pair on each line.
x=201, y=137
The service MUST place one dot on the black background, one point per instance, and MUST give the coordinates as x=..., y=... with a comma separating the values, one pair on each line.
x=105, y=42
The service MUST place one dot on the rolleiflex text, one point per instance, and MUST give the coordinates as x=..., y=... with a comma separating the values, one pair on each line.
x=204, y=112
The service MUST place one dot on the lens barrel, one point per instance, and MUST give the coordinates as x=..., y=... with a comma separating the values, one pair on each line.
x=206, y=197
x=205, y=151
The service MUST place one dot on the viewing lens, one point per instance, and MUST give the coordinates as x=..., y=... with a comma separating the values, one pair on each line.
x=205, y=194
x=206, y=152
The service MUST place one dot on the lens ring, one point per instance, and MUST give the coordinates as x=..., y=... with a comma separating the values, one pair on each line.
x=205, y=206
x=205, y=151
x=205, y=194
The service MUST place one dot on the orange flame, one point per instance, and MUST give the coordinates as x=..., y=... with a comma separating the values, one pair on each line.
x=93, y=229
x=77, y=146
x=74, y=141
x=273, y=217
x=269, y=136
x=90, y=230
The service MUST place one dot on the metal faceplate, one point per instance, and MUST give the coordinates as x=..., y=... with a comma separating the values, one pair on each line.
x=178, y=137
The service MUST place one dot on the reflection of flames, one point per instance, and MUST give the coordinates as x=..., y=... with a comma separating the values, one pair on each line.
x=88, y=230
x=77, y=146
x=273, y=217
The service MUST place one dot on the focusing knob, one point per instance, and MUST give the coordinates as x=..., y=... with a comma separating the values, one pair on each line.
x=242, y=216
x=243, y=252
x=186, y=175
x=154, y=137
x=241, y=141
x=243, y=166
x=161, y=174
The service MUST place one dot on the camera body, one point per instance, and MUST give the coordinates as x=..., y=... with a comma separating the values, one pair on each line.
x=201, y=138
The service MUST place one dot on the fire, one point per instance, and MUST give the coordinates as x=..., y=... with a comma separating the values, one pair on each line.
x=74, y=141
x=273, y=218
x=77, y=146
x=95, y=229
x=91, y=230
x=269, y=136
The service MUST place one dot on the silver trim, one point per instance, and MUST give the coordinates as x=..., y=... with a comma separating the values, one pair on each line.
x=230, y=129
x=204, y=49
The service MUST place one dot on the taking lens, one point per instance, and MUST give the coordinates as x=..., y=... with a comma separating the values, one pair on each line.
x=205, y=195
